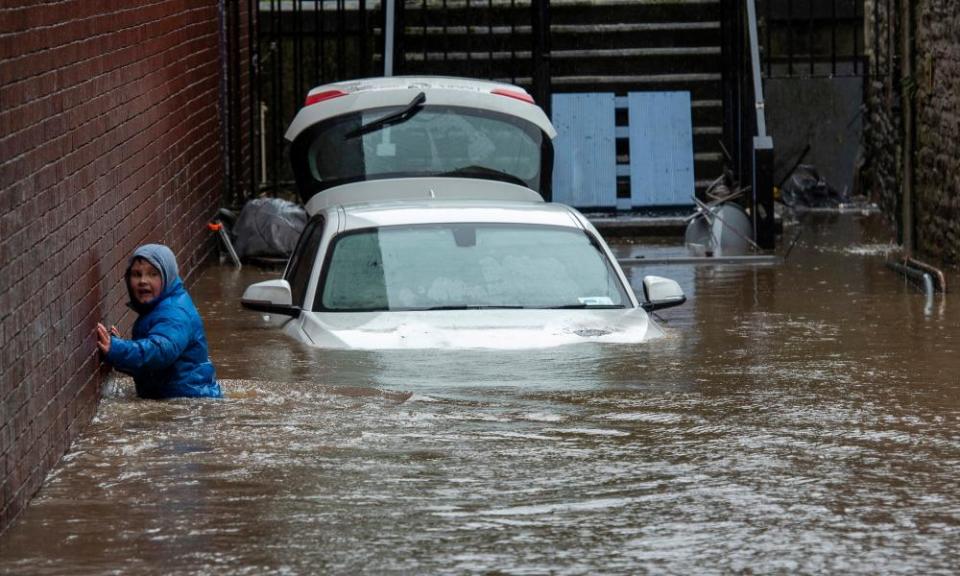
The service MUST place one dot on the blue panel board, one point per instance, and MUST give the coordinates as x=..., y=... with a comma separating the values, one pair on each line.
x=585, y=150
x=661, y=149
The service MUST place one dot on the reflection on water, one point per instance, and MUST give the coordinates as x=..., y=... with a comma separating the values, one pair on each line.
x=801, y=418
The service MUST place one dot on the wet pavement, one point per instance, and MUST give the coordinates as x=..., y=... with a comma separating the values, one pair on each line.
x=799, y=418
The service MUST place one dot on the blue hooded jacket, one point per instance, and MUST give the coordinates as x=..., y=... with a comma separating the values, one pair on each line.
x=167, y=356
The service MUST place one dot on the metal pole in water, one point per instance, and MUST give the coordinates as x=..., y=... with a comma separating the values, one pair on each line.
x=388, y=39
x=928, y=288
x=924, y=278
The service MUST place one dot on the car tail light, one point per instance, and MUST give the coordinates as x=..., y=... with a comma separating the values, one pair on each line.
x=522, y=96
x=321, y=96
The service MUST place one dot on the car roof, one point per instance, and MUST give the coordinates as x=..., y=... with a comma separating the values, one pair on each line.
x=424, y=188
x=353, y=95
x=414, y=212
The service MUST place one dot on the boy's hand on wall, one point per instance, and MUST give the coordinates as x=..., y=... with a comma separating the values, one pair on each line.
x=103, y=337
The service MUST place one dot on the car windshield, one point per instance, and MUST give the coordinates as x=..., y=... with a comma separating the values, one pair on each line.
x=468, y=266
x=424, y=141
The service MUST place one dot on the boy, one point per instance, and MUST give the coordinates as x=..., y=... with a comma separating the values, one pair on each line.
x=167, y=356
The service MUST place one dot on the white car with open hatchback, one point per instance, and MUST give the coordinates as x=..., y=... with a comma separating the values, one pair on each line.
x=428, y=227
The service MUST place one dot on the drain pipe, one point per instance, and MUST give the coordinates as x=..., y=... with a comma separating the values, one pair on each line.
x=908, y=88
x=939, y=280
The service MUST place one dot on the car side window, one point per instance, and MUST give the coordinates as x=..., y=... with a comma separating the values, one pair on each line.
x=301, y=262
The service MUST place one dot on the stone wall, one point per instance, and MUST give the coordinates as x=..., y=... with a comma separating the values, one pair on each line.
x=938, y=134
x=110, y=136
x=934, y=89
x=882, y=121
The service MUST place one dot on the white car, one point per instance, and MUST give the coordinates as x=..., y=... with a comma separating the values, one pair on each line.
x=428, y=229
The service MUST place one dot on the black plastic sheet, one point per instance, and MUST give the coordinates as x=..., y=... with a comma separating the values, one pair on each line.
x=268, y=227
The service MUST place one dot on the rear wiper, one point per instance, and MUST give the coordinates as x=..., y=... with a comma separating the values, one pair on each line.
x=398, y=117
x=484, y=172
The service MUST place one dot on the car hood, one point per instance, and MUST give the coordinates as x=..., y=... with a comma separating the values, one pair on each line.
x=466, y=329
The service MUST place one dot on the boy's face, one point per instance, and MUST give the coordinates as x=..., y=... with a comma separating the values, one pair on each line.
x=145, y=281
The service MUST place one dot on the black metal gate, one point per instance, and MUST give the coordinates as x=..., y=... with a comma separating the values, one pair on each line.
x=297, y=45
x=812, y=38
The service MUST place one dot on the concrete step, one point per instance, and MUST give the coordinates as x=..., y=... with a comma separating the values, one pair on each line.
x=563, y=37
x=702, y=86
x=580, y=54
x=493, y=12
x=600, y=62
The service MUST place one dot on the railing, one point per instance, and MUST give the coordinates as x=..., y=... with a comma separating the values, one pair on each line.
x=745, y=137
x=300, y=44
x=507, y=40
x=812, y=38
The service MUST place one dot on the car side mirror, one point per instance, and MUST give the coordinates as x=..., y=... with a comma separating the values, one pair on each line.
x=661, y=293
x=272, y=297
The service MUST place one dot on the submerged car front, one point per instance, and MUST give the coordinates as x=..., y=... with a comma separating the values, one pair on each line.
x=461, y=274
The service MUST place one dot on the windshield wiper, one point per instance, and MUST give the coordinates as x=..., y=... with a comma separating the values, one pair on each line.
x=580, y=306
x=398, y=117
x=471, y=307
x=484, y=172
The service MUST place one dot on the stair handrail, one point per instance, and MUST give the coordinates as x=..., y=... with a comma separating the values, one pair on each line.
x=759, y=102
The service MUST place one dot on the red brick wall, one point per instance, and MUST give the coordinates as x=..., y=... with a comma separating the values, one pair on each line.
x=110, y=137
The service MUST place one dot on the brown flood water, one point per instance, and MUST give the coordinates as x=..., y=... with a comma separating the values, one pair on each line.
x=801, y=418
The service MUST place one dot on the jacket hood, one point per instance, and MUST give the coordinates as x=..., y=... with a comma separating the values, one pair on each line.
x=161, y=258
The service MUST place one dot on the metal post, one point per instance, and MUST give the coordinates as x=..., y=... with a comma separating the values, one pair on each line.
x=362, y=39
x=397, y=54
x=318, y=39
x=768, y=25
x=298, y=90
x=389, y=14
x=746, y=97
x=729, y=31
x=342, y=73
x=875, y=10
x=513, y=45
x=276, y=80
x=540, y=35
x=790, y=44
x=236, y=109
x=856, y=38
x=491, y=69
x=253, y=77
x=833, y=37
x=322, y=38
x=811, y=38
x=764, y=230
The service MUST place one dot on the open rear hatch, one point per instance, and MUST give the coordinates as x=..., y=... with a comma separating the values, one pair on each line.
x=410, y=127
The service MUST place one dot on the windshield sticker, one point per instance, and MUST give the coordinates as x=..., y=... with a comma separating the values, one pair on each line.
x=596, y=301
